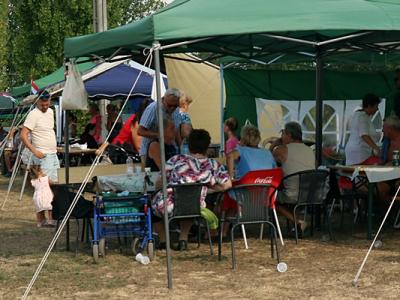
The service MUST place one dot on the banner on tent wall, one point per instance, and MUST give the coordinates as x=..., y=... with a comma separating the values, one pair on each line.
x=244, y=86
x=273, y=114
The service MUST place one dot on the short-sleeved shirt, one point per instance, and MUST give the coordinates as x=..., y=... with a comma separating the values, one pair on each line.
x=125, y=134
x=42, y=130
x=252, y=159
x=357, y=150
x=231, y=144
x=188, y=169
x=149, y=121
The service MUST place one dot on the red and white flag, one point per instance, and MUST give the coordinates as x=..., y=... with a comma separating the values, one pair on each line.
x=34, y=88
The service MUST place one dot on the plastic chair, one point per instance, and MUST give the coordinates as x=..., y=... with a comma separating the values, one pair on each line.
x=272, y=177
x=313, y=188
x=254, y=203
x=63, y=197
x=187, y=205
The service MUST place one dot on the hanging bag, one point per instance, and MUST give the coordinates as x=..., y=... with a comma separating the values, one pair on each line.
x=74, y=96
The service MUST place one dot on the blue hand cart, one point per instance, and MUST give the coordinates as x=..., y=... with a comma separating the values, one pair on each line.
x=116, y=216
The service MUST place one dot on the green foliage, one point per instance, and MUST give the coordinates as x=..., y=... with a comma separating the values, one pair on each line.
x=3, y=42
x=37, y=28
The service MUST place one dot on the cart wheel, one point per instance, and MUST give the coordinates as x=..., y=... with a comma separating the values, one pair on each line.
x=95, y=253
x=150, y=250
x=135, y=246
x=102, y=247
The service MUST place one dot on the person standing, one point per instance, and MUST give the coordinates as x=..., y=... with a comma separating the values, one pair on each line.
x=230, y=126
x=40, y=125
x=186, y=125
x=148, y=126
x=361, y=147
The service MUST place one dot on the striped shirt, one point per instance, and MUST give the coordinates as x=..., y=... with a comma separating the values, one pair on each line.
x=149, y=121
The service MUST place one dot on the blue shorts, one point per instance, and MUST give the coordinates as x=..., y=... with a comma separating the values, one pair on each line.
x=49, y=165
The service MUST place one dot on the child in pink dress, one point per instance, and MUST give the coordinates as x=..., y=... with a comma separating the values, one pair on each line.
x=42, y=197
x=230, y=125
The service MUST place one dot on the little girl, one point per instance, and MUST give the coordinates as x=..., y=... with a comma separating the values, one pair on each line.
x=42, y=197
x=230, y=125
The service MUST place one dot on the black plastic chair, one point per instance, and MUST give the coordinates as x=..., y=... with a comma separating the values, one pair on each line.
x=63, y=197
x=313, y=187
x=187, y=206
x=253, y=208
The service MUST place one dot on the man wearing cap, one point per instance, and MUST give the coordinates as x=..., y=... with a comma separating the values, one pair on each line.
x=40, y=125
x=148, y=126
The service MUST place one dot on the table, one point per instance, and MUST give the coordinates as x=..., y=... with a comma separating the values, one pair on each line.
x=75, y=151
x=374, y=175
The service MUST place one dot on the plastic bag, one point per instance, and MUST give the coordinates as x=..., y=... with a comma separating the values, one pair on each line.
x=74, y=96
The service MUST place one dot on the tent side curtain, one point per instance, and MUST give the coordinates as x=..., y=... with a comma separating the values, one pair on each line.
x=243, y=86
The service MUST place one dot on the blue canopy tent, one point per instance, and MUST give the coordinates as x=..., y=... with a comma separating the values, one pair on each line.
x=117, y=82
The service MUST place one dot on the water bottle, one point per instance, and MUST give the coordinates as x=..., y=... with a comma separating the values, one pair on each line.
x=129, y=165
x=143, y=259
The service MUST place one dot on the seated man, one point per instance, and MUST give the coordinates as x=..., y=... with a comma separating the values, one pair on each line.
x=192, y=168
x=294, y=156
x=391, y=132
x=10, y=152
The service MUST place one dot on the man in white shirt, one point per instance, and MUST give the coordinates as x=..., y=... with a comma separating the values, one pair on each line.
x=40, y=125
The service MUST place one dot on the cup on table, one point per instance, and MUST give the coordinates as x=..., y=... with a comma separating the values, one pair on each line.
x=138, y=169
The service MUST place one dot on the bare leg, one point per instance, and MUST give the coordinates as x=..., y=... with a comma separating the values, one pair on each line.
x=159, y=228
x=185, y=228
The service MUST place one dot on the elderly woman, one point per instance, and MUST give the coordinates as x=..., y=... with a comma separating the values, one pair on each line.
x=248, y=156
x=192, y=168
x=361, y=147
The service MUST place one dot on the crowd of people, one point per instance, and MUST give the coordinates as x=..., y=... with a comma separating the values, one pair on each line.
x=185, y=150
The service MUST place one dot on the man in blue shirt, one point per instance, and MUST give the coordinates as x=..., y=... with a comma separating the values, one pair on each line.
x=148, y=126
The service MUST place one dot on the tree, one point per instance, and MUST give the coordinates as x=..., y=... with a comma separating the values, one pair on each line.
x=3, y=43
x=37, y=29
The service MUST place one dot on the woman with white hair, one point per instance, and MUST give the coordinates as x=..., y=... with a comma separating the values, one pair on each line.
x=248, y=156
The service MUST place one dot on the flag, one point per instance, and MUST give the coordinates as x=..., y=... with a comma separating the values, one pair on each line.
x=34, y=88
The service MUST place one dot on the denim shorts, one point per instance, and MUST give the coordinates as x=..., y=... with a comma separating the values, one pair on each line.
x=49, y=165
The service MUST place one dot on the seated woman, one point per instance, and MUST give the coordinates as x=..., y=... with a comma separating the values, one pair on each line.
x=192, y=168
x=127, y=137
x=248, y=156
x=153, y=157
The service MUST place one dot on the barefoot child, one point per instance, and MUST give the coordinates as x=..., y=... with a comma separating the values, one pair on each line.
x=42, y=197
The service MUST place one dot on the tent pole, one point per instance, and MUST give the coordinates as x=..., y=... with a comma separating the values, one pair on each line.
x=318, y=107
x=66, y=151
x=222, y=139
x=156, y=47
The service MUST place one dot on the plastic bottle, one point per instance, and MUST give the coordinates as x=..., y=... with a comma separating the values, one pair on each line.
x=143, y=259
x=129, y=165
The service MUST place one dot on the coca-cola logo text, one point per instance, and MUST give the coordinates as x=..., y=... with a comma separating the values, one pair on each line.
x=266, y=180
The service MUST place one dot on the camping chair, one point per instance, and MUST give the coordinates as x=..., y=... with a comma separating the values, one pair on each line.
x=63, y=197
x=187, y=205
x=253, y=201
x=272, y=177
x=313, y=188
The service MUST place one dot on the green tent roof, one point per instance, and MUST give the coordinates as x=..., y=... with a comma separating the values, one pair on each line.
x=53, y=78
x=244, y=28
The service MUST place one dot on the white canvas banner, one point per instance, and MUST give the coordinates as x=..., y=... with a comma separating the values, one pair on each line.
x=273, y=114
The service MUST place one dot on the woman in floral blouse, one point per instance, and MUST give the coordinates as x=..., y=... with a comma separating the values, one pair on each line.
x=195, y=167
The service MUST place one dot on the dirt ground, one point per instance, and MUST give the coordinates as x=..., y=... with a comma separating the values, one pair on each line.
x=316, y=269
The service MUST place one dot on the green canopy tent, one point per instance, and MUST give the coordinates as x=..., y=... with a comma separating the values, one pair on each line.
x=254, y=29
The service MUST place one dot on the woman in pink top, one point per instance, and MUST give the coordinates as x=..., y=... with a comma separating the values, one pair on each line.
x=96, y=120
x=230, y=126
